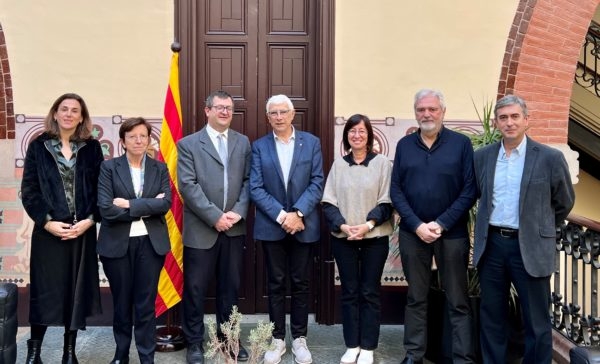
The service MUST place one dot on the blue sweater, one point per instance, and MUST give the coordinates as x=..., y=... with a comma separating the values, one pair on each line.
x=436, y=184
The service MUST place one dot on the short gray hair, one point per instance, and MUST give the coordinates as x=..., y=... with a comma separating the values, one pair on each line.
x=279, y=99
x=510, y=100
x=429, y=92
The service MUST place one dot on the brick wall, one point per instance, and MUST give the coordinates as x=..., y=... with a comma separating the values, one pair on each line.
x=7, y=115
x=540, y=60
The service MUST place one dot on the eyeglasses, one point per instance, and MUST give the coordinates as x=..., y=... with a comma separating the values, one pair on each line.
x=275, y=113
x=221, y=108
x=360, y=132
x=136, y=137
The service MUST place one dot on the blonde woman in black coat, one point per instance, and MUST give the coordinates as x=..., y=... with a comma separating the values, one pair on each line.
x=59, y=192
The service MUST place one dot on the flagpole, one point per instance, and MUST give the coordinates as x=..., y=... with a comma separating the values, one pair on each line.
x=170, y=337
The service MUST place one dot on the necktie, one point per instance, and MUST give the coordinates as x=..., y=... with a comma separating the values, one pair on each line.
x=223, y=156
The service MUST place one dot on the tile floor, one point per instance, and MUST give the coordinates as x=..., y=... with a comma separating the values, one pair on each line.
x=96, y=345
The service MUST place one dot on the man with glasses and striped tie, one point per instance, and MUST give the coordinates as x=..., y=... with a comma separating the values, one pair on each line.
x=212, y=171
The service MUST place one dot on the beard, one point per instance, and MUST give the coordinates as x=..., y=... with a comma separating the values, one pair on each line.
x=427, y=125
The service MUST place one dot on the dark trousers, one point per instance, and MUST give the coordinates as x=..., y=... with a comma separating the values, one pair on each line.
x=223, y=260
x=360, y=265
x=500, y=265
x=288, y=258
x=133, y=283
x=452, y=259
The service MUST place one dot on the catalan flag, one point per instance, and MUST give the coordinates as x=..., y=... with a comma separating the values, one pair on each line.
x=170, y=284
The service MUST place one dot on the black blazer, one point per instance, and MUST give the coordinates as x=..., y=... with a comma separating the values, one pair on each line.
x=42, y=189
x=115, y=181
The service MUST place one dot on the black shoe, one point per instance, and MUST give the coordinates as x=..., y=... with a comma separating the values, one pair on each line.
x=69, y=356
x=195, y=354
x=242, y=354
x=409, y=360
x=34, y=347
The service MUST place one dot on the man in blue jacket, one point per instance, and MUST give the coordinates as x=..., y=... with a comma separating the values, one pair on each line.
x=286, y=184
x=433, y=188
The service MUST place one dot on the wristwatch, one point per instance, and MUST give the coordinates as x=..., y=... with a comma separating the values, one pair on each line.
x=370, y=225
x=299, y=213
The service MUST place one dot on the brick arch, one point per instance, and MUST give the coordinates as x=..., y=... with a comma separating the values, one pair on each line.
x=540, y=60
x=7, y=113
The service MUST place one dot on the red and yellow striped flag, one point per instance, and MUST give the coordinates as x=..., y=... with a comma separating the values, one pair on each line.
x=170, y=285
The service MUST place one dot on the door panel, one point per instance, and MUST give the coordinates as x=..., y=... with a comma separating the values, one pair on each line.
x=283, y=64
x=254, y=49
x=225, y=16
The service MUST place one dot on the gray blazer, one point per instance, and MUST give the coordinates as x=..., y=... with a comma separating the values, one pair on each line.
x=200, y=182
x=546, y=198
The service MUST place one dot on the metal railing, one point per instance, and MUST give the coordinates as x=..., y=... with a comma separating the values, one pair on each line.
x=575, y=282
x=587, y=73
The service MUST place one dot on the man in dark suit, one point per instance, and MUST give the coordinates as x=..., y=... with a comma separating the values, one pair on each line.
x=212, y=171
x=525, y=192
x=433, y=188
x=286, y=184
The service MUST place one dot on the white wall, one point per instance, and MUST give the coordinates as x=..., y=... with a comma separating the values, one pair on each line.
x=386, y=50
x=116, y=54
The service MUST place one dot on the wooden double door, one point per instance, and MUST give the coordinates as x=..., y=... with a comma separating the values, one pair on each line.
x=254, y=49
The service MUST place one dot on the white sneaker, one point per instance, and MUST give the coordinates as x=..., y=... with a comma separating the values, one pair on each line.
x=350, y=356
x=277, y=349
x=365, y=357
x=301, y=352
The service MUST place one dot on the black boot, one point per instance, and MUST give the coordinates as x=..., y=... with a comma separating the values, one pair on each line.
x=69, y=348
x=34, y=348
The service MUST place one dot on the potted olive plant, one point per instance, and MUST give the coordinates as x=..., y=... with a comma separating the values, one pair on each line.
x=226, y=351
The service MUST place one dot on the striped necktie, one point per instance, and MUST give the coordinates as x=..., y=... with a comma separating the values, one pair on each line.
x=223, y=156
